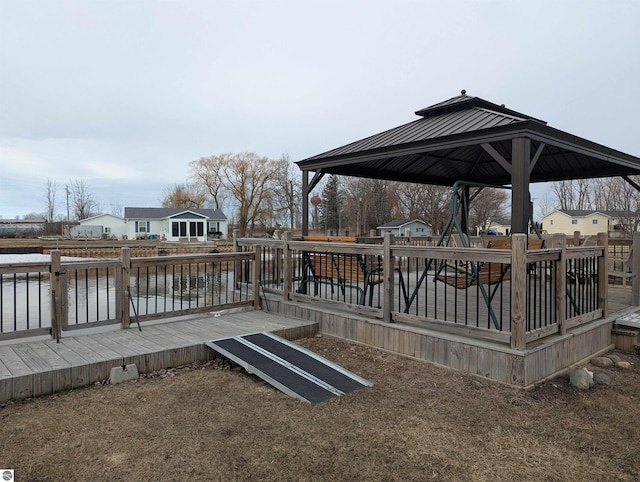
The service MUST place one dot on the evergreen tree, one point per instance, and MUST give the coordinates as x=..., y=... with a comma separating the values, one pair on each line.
x=331, y=204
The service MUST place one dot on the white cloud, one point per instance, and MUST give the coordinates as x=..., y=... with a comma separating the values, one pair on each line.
x=125, y=94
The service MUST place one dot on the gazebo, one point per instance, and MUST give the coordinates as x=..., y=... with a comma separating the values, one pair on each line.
x=467, y=138
x=518, y=313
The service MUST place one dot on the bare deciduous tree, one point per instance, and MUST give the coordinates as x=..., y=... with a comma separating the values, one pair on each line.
x=245, y=180
x=82, y=201
x=208, y=173
x=248, y=177
x=51, y=189
x=116, y=208
x=369, y=203
x=574, y=194
x=286, y=190
x=426, y=202
x=489, y=205
x=184, y=196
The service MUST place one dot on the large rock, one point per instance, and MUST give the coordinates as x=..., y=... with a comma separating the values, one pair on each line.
x=614, y=358
x=601, y=378
x=601, y=361
x=581, y=379
x=623, y=364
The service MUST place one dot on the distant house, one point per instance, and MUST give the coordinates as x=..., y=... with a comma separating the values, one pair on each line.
x=406, y=227
x=102, y=225
x=168, y=224
x=588, y=222
x=173, y=224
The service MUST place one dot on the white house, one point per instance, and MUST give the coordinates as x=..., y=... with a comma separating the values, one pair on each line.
x=174, y=224
x=106, y=225
x=588, y=222
x=406, y=227
x=502, y=225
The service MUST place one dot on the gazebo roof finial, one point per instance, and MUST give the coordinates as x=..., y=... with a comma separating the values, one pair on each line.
x=463, y=92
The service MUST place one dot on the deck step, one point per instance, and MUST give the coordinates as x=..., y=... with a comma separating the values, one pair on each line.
x=298, y=372
x=630, y=320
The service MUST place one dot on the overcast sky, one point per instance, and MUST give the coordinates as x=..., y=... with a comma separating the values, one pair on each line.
x=124, y=94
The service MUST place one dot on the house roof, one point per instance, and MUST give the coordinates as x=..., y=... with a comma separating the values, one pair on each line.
x=398, y=223
x=448, y=143
x=162, y=213
x=101, y=216
x=502, y=221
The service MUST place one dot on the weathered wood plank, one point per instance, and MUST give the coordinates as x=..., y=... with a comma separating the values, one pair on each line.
x=82, y=361
x=14, y=363
x=42, y=376
x=62, y=378
x=21, y=384
x=97, y=344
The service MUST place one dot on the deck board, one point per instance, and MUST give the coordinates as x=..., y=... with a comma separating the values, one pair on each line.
x=80, y=359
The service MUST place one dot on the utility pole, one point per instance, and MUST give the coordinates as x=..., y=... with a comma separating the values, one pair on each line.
x=66, y=186
x=291, y=207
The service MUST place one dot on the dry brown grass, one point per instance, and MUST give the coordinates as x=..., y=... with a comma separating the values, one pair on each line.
x=418, y=422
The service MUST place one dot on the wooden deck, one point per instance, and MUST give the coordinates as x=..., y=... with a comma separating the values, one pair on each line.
x=34, y=368
x=41, y=367
x=540, y=360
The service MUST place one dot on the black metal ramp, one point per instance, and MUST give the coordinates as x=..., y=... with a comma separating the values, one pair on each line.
x=298, y=372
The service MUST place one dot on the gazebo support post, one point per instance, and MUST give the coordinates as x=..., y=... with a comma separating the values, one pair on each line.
x=603, y=275
x=521, y=157
x=305, y=203
x=635, y=283
x=518, y=291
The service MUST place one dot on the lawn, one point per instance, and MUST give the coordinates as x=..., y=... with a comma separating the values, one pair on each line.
x=419, y=422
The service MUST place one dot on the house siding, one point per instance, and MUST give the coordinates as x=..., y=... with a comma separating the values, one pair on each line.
x=563, y=223
x=111, y=225
x=414, y=228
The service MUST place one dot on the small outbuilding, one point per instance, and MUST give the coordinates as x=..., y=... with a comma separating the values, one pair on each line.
x=406, y=227
x=102, y=225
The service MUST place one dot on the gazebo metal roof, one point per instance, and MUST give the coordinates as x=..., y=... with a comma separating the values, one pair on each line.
x=470, y=139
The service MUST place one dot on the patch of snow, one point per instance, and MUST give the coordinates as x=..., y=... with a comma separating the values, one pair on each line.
x=33, y=258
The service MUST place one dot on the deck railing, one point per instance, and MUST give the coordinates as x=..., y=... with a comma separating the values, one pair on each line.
x=52, y=297
x=25, y=299
x=514, y=296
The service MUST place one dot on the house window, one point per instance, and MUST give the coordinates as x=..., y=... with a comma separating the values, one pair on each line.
x=550, y=221
x=595, y=221
x=178, y=229
x=574, y=221
x=196, y=228
x=107, y=229
x=143, y=226
x=419, y=230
